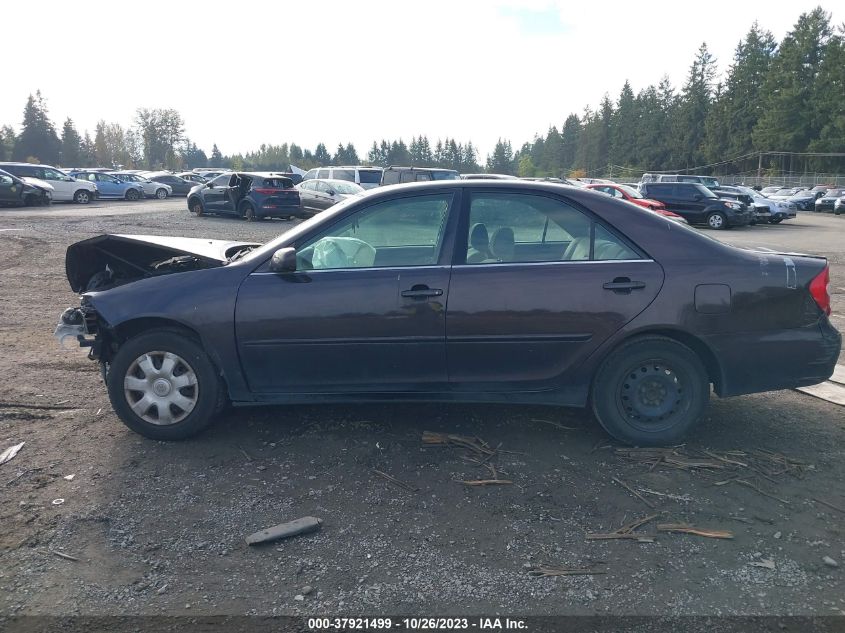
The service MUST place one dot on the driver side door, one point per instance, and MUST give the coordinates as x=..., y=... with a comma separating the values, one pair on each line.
x=364, y=311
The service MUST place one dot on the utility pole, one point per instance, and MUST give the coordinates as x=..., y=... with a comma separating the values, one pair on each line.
x=759, y=167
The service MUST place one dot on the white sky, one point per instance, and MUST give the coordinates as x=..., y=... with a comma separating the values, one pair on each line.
x=243, y=73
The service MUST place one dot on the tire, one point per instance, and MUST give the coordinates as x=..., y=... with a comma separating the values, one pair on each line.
x=161, y=194
x=248, y=212
x=82, y=197
x=132, y=195
x=163, y=367
x=775, y=220
x=196, y=206
x=717, y=221
x=650, y=391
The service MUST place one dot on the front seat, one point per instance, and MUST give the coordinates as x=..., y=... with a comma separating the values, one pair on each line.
x=479, y=244
x=502, y=244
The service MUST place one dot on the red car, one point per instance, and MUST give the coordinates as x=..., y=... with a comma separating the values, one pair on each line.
x=626, y=192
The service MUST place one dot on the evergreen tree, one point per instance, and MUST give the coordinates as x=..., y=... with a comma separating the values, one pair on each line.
x=7, y=142
x=553, y=153
x=86, y=151
x=828, y=106
x=569, y=142
x=38, y=139
x=216, y=157
x=501, y=160
x=788, y=121
x=71, y=145
x=322, y=156
x=737, y=110
x=694, y=105
x=623, y=134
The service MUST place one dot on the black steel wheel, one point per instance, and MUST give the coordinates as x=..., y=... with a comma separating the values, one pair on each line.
x=650, y=391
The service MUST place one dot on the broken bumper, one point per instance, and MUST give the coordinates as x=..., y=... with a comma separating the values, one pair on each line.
x=78, y=324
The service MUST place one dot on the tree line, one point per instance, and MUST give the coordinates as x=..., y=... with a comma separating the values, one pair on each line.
x=785, y=96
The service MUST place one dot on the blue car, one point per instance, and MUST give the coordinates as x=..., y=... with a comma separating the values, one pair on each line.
x=110, y=186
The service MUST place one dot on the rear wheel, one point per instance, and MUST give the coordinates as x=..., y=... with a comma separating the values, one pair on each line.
x=82, y=197
x=132, y=195
x=650, y=391
x=248, y=211
x=161, y=194
x=163, y=386
x=196, y=207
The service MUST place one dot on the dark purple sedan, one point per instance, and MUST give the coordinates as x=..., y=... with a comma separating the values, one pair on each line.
x=470, y=291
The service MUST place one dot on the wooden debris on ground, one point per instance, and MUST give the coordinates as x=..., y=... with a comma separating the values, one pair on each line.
x=548, y=571
x=63, y=555
x=285, y=530
x=828, y=504
x=486, y=482
x=626, y=532
x=633, y=492
x=683, y=528
x=395, y=481
x=9, y=453
x=476, y=450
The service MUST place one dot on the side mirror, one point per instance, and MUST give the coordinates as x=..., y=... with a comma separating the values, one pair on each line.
x=210, y=185
x=332, y=192
x=697, y=196
x=284, y=260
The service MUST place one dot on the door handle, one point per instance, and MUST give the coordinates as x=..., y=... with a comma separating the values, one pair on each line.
x=623, y=285
x=421, y=291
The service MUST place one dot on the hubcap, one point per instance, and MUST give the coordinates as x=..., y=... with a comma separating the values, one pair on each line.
x=651, y=394
x=161, y=388
x=716, y=221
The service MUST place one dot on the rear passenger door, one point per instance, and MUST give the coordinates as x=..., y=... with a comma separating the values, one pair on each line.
x=554, y=286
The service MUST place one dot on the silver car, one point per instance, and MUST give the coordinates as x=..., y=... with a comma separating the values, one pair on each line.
x=151, y=189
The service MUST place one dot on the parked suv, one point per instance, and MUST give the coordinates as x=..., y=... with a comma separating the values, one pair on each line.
x=697, y=204
x=707, y=181
x=65, y=188
x=365, y=177
x=394, y=175
x=250, y=195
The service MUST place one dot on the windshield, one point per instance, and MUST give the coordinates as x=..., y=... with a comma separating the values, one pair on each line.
x=633, y=193
x=705, y=192
x=346, y=187
x=709, y=182
x=783, y=192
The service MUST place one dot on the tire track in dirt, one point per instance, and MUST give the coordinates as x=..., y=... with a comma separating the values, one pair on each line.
x=13, y=247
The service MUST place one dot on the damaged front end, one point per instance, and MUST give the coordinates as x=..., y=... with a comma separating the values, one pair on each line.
x=82, y=325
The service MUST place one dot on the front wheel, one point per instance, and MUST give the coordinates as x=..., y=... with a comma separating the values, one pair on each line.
x=132, y=195
x=161, y=194
x=650, y=391
x=717, y=221
x=248, y=211
x=163, y=386
x=82, y=197
x=775, y=220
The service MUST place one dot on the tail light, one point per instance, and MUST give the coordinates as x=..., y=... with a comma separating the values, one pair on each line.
x=818, y=289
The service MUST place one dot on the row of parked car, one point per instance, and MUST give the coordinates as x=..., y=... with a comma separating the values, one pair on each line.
x=682, y=198
x=821, y=198
x=27, y=184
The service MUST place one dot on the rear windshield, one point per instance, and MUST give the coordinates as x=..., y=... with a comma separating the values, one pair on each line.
x=370, y=176
x=277, y=183
x=445, y=175
x=704, y=191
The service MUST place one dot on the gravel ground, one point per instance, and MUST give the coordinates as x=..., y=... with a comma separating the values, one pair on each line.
x=158, y=528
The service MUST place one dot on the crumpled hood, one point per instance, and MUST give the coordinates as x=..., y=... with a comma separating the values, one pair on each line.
x=139, y=256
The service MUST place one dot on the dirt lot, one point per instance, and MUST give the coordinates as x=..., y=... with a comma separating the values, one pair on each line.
x=158, y=528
